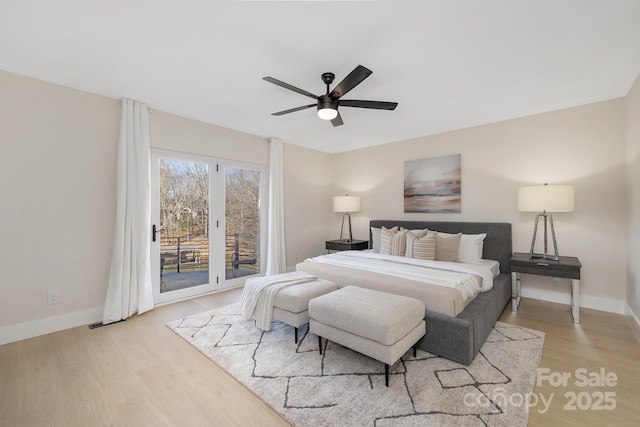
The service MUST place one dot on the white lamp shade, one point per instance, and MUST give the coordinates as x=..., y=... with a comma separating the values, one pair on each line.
x=550, y=198
x=346, y=204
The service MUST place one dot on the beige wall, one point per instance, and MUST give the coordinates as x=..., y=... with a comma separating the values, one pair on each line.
x=58, y=151
x=170, y=132
x=308, y=202
x=584, y=146
x=633, y=203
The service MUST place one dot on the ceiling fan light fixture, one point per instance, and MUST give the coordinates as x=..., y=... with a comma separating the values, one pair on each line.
x=327, y=108
x=327, y=113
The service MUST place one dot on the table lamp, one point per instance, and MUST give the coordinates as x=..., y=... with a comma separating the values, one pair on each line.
x=346, y=205
x=546, y=199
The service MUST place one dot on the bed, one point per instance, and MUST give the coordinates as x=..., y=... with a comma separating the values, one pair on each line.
x=455, y=330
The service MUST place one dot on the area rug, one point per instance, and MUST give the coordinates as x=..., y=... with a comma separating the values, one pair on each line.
x=344, y=388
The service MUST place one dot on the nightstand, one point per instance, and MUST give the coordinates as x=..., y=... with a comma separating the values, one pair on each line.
x=567, y=267
x=346, y=245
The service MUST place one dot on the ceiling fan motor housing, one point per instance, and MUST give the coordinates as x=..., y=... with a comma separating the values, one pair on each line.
x=325, y=101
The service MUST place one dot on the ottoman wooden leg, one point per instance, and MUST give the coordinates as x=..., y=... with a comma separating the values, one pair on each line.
x=296, y=334
x=320, y=344
x=386, y=374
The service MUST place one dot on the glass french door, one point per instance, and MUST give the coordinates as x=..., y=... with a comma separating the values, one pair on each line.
x=242, y=222
x=207, y=217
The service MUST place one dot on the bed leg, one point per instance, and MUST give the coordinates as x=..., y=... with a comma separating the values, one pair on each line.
x=415, y=350
x=320, y=344
x=296, y=334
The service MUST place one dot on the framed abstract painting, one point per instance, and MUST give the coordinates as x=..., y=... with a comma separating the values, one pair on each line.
x=433, y=185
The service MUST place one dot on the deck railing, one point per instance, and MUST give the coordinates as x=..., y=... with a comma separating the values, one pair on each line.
x=182, y=253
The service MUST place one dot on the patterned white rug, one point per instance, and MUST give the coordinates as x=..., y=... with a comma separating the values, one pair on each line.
x=343, y=388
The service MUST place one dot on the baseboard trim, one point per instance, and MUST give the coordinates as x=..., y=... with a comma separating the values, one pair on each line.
x=632, y=320
x=36, y=328
x=23, y=331
x=586, y=301
x=13, y=333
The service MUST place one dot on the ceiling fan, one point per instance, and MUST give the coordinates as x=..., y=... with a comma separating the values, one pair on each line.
x=328, y=103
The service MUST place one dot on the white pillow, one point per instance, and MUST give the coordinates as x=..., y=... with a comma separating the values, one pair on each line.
x=470, y=249
x=375, y=239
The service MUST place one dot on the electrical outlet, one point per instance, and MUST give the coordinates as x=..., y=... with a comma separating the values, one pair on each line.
x=53, y=297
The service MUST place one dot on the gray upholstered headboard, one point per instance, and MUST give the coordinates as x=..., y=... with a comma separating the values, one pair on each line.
x=497, y=244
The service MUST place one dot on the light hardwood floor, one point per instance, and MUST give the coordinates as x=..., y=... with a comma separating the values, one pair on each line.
x=139, y=373
x=601, y=341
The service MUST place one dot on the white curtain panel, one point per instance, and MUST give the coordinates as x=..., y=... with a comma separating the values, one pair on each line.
x=130, y=289
x=276, y=253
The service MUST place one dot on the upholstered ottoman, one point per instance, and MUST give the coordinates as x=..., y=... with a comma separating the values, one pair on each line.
x=291, y=303
x=377, y=324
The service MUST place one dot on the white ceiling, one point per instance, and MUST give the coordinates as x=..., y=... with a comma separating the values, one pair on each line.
x=450, y=64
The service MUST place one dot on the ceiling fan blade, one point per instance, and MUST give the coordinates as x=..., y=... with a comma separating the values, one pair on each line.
x=352, y=80
x=292, y=110
x=290, y=87
x=377, y=105
x=337, y=121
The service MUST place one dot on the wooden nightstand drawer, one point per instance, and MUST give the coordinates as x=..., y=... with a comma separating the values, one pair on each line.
x=566, y=267
x=345, y=245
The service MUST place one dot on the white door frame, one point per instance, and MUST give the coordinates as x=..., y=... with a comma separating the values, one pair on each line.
x=217, y=226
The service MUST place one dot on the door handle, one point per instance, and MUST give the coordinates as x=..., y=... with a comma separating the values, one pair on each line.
x=155, y=231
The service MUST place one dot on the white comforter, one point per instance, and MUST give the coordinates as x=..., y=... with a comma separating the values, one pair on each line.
x=468, y=279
